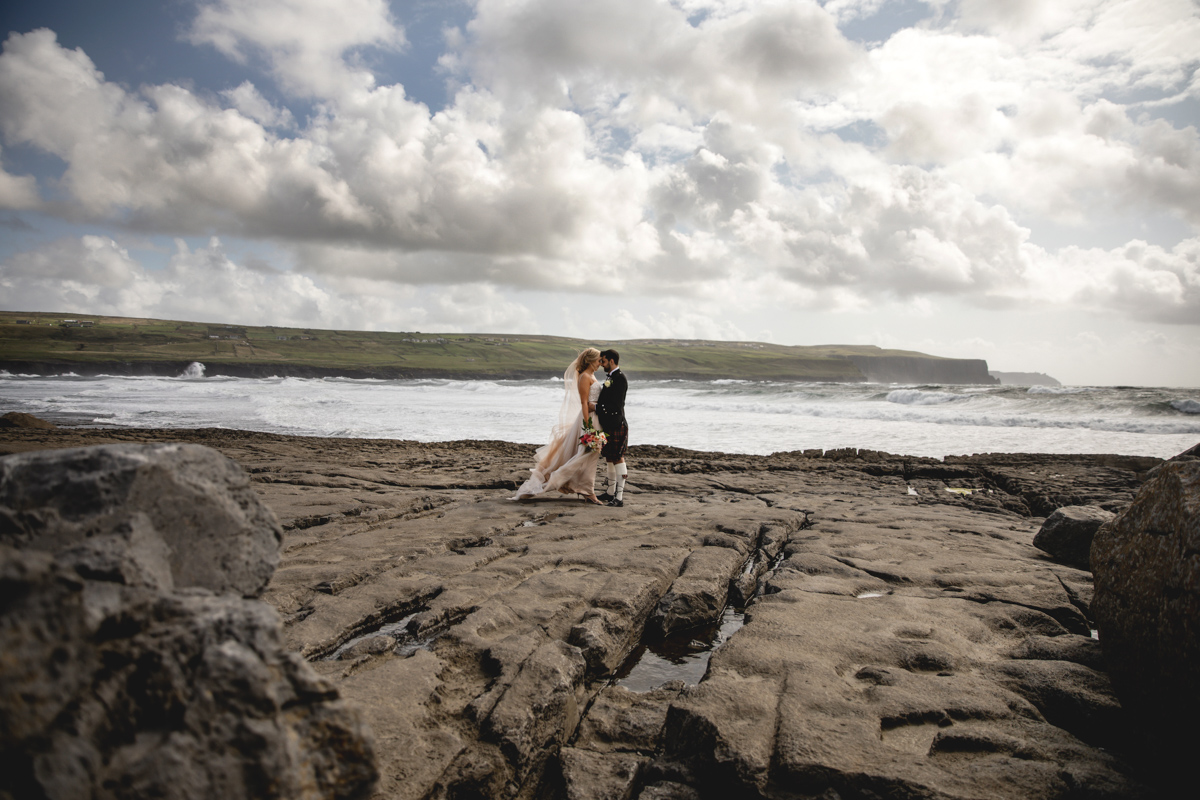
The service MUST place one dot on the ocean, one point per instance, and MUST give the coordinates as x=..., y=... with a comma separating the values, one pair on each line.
x=729, y=415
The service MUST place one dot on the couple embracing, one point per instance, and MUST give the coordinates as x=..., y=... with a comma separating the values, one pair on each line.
x=591, y=423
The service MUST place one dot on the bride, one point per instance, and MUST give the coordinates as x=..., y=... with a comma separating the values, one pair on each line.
x=565, y=464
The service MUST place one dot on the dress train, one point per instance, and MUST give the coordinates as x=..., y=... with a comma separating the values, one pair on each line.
x=564, y=464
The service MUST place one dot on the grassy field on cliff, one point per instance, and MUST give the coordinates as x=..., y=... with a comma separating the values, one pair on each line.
x=94, y=340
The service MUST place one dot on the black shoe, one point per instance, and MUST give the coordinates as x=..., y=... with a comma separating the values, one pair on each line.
x=615, y=503
x=605, y=497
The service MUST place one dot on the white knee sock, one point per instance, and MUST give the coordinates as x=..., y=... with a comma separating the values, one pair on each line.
x=612, y=477
x=622, y=471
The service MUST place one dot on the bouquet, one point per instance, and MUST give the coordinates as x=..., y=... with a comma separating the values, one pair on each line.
x=592, y=439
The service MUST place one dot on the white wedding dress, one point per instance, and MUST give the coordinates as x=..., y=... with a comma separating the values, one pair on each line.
x=565, y=465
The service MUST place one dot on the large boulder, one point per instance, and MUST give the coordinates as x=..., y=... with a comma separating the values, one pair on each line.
x=132, y=662
x=1067, y=534
x=1146, y=565
x=164, y=516
x=123, y=691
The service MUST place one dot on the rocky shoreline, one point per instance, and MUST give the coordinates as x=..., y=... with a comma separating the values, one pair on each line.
x=902, y=636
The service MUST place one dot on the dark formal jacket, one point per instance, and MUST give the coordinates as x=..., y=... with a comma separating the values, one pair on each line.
x=610, y=405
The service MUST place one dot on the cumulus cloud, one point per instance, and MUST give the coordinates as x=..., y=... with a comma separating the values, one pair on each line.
x=167, y=159
x=96, y=274
x=380, y=170
x=1146, y=282
x=693, y=150
x=307, y=44
x=249, y=101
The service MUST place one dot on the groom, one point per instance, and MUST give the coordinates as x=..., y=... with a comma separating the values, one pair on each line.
x=610, y=408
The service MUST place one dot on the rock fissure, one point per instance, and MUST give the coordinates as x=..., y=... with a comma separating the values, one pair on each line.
x=1084, y=608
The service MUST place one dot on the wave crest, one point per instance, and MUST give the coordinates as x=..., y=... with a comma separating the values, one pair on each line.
x=194, y=370
x=1186, y=406
x=1055, y=390
x=919, y=397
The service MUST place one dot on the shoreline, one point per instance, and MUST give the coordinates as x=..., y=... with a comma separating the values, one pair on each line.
x=1136, y=463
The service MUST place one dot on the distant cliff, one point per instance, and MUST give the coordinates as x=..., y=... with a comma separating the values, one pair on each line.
x=51, y=344
x=832, y=369
x=914, y=369
x=1025, y=378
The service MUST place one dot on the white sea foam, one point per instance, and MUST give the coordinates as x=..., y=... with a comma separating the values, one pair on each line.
x=1186, y=406
x=194, y=370
x=751, y=417
x=918, y=397
x=1056, y=390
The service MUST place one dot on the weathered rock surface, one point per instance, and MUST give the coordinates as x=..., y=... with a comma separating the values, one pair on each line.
x=1067, y=534
x=896, y=644
x=1147, y=605
x=114, y=683
x=164, y=516
x=18, y=419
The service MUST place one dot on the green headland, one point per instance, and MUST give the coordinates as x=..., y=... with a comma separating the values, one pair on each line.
x=45, y=343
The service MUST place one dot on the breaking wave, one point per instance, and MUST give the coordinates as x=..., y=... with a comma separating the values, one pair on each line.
x=918, y=397
x=194, y=370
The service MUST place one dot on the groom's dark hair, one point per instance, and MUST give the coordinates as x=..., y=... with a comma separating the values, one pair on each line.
x=612, y=355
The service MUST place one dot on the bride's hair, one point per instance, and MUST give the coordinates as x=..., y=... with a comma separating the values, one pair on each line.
x=585, y=359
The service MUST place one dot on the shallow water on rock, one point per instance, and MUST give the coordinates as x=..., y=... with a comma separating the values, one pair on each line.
x=397, y=629
x=681, y=656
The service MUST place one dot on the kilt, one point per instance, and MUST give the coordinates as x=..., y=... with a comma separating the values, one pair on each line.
x=618, y=443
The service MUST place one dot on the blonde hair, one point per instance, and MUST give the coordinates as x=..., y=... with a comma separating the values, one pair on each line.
x=588, y=357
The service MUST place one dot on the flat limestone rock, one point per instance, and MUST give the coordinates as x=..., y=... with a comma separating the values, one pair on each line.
x=895, y=643
x=588, y=775
x=401, y=696
x=623, y=721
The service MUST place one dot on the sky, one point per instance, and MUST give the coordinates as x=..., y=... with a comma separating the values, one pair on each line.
x=1014, y=180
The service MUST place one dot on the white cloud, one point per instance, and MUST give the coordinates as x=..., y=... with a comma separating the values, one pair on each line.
x=304, y=42
x=18, y=192
x=686, y=323
x=248, y=100
x=95, y=274
x=90, y=272
x=1145, y=282
x=682, y=152
x=379, y=170
x=170, y=161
